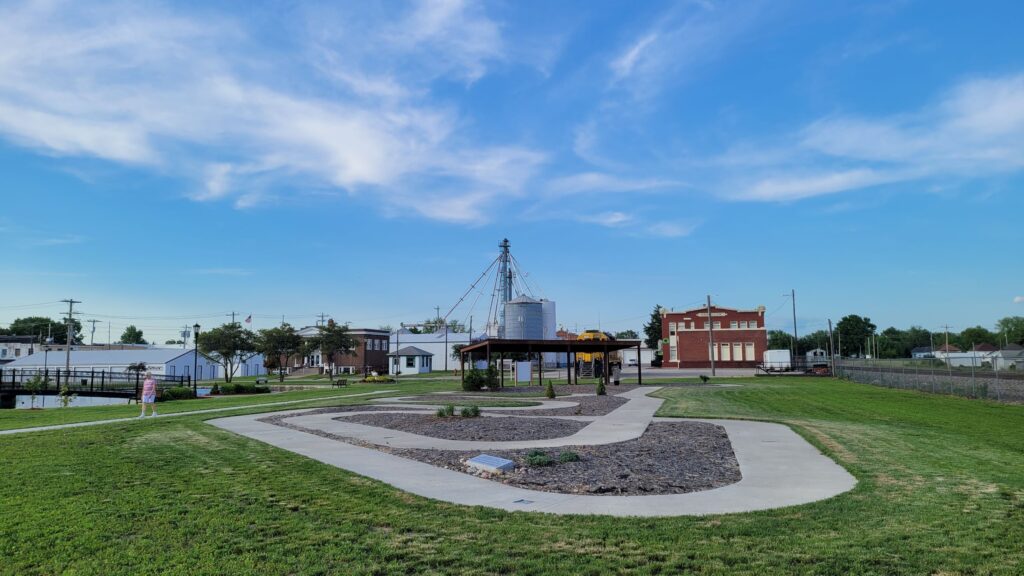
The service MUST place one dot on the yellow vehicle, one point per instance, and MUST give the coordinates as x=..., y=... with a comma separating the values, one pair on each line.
x=593, y=363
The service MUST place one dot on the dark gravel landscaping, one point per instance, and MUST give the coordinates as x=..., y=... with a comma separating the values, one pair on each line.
x=482, y=428
x=588, y=406
x=670, y=458
x=564, y=390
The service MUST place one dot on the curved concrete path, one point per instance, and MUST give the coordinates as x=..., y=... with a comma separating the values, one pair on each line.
x=779, y=467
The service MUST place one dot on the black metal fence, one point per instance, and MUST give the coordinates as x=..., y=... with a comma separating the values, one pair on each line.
x=935, y=376
x=84, y=382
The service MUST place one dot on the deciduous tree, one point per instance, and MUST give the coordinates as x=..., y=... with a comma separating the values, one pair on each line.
x=229, y=345
x=277, y=343
x=132, y=335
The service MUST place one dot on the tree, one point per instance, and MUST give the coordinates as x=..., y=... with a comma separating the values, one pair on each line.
x=173, y=342
x=228, y=345
x=33, y=385
x=854, y=332
x=627, y=335
x=1011, y=328
x=652, y=331
x=278, y=343
x=817, y=339
x=779, y=340
x=976, y=335
x=41, y=326
x=132, y=335
x=333, y=340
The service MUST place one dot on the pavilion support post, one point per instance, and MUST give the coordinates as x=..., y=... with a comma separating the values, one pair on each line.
x=501, y=369
x=462, y=366
x=568, y=366
x=529, y=358
x=605, y=366
x=639, y=367
x=540, y=367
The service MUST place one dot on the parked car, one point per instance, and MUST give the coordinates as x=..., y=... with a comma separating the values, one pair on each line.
x=631, y=362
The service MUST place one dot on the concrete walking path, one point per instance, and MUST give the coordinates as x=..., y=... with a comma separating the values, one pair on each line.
x=187, y=413
x=779, y=468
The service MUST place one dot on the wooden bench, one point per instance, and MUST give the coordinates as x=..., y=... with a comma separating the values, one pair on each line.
x=339, y=383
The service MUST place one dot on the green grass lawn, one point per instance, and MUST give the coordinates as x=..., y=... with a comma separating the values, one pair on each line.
x=941, y=491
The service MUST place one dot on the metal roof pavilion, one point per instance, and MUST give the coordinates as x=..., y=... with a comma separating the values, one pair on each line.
x=568, y=347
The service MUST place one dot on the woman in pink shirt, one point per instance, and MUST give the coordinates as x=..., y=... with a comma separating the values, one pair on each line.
x=148, y=395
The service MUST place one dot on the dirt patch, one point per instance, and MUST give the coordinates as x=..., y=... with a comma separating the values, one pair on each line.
x=481, y=428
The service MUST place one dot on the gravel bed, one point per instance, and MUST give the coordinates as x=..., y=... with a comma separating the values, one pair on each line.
x=564, y=389
x=483, y=428
x=276, y=418
x=670, y=458
x=462, y=400
x=588, y=406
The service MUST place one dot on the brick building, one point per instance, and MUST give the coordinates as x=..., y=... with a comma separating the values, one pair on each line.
x=740, y=338
x=370, y=354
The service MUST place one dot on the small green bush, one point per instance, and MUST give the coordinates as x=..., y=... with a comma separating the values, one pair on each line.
x=493, y=383
x=243, y=388
x=176, y=393
x=470, y=411
x=441, y=412
x=475, y=381
x=601, y=389
x=568, y=457
x=379, y=379
x=549, y=390
x=538, y=458
x=449, y=410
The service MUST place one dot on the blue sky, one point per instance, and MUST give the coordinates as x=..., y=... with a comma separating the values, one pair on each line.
x=166, y=163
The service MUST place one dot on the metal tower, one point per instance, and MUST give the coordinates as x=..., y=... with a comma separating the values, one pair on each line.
x=505, y=276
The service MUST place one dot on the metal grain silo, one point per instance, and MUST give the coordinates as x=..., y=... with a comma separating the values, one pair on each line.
x=524, y=319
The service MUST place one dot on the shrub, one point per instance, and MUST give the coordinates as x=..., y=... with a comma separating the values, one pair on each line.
x=538, y=458
x=176, y=393
x=704, y=379
x=568, y=457
x=441, y=412
x=379, y=379
x=470, y=411
x=243, y=388
x=449, y=410
x=474, y=381
x=601, y=389
x=549, y=390
x=492, y=378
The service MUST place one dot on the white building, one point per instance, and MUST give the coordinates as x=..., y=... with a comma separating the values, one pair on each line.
x=14, y=347
x=629, y=357
x=159, y=361
x=410, y=360
x=1009, y=358
x=437, y=344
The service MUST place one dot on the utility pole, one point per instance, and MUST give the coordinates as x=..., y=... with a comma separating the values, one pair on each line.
x=831, y=347
x=711, y=336
x=321, y=322
x=92, y=331
x=233, y=314
x=108, y=334
x=796, y=339
x=946, y=328
x=70, y=337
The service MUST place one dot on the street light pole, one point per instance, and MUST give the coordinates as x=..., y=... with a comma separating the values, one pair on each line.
x=195, y=359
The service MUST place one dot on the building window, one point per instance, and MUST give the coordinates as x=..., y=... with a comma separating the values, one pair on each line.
x=717, y=324
x=750, y=351
x=712, y=352
x=726, y=356
x=671, y=328
x=410, y=361
x=737, y=352
x=734, y=324
x=673, y=353
x=17, y=351
x=752, y=324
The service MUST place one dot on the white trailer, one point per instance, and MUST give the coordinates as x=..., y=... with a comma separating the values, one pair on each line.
x=777, y=361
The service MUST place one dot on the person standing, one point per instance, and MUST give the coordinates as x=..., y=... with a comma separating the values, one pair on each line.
x=148, y=395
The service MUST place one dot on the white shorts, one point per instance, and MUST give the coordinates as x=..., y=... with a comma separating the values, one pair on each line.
x=149, y=398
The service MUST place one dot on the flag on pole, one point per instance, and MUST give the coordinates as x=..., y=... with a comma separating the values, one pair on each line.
x=248, y=319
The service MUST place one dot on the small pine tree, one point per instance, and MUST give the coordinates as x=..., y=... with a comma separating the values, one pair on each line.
x=600, y=389
x=549, y=390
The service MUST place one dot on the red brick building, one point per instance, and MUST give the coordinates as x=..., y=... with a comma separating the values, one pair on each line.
x=740, y=338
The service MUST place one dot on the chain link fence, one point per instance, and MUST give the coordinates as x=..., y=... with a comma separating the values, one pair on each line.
x=936, y=376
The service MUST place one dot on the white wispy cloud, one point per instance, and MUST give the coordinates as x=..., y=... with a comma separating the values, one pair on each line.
x=613, y=219
x=1018, y=300
x=975, y=130
x=670, y=229
x=61, y=240
x=624, y=64
x=143, y=84
x=598, y=182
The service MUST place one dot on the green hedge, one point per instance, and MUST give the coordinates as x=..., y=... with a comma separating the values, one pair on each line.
x=176, y=393
x=243, y=388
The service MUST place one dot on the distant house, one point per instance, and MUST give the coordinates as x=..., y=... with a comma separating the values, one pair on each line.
x=985, y=347
x=947, y=349
x=439, y=344
x=975, y=357
x=922, y=352
x=1009, y=358
x=410, y=360
x=14, y=347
